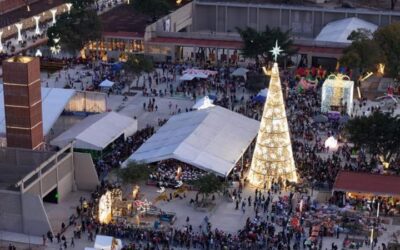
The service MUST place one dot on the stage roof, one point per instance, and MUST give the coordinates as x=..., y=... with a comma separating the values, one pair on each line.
x=211, y=139
x=367, y=183
x=338, y=31
x=96, y=132
x=53, y=102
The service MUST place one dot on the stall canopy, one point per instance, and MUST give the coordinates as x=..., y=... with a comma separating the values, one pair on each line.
x=103, y=242
x=106, y=84
x=367, y=183
x=240, y=72
x=203, y=103
x=96, y=132
x=190, y=74
x=53, y=102
x=211, y=139
x=339, y=31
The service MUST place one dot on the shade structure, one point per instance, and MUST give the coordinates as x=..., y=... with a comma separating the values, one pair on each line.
x=187, y=77
x=273, y=157
x=240, y=72
x=106, y=84
x=211, y=139
x=104, y=242
x=203, y=103
x=96, y=132
x=339, y=31
x=53, y=102
x=366, y=183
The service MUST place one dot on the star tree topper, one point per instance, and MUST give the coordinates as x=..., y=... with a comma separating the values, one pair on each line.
x=276, y=51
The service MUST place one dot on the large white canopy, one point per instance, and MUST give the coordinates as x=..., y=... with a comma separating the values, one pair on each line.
x=103, y=242
x=96, y=132
x=212, y=139
x=338, y=31
x=53, y=102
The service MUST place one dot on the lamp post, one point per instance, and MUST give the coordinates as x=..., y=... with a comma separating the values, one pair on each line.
x=37, y=29
x=1, y=44
x=19, y=28
x=53, y=13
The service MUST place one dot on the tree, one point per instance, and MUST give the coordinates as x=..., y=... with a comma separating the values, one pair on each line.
x=137, y=64
x=134, y=172
x=362, y=55
x=388, y=39
x=153, y=8
x=258, y=44
x=76, y=29
x=209, y=184
x=379, y=133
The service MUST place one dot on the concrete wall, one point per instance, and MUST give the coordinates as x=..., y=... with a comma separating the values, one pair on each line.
x=23, y=213
x=85, y=173
x=304, y=22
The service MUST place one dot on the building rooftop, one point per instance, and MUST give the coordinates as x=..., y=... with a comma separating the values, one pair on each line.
x=21, y=13
x=124, y=21
x=16, y=163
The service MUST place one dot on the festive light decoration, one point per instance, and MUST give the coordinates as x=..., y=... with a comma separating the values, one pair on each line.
x=337, y=91
x=19, y=28
x=38, y=53
x=1, y=44
x=331, y=143
x=69, y=5
x=276, y=51
x=53, y=13
x=273, y=157
x=37, y=29
x=56, y=48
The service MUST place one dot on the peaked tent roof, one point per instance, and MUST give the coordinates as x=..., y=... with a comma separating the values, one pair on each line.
x=53, y=102
x=212, y=139
x=203, y=103
x=96, y=132
x=106, y=84
x=338, y=31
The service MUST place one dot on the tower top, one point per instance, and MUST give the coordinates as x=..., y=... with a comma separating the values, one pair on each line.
x=276, y=51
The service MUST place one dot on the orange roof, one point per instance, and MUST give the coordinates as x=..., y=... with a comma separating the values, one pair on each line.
x=376, y=184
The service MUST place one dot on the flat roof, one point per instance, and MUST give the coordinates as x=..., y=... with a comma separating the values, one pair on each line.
x=208, y=43
x=16, y=163
x=367, y=183
x=22, y=13
x=123, y=21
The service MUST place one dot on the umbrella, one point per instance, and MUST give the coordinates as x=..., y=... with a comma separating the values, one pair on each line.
x=320, y=118
x=344, y=119
x=240, y=72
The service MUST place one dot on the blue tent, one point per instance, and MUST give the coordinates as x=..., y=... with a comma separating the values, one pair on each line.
x=259, y=98
x=116, y=67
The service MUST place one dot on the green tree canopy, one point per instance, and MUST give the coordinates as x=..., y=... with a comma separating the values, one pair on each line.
x=76, y=29
x=153, y=8
x=134, y=172
x=209, y=184
x=388, y=38
x=137, y=64
x=258, y=44
x=379, y=133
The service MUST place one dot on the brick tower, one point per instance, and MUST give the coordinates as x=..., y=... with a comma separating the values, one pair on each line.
x=23, y=102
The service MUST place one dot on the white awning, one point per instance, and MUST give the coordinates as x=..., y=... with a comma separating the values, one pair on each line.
x=104, y=242
x=106, y=84
x=53, y=102
x=338, y=31
x=96, y=132
x=212, y=139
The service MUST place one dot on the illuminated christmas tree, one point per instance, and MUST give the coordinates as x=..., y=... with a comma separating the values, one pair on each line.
x=273, y=156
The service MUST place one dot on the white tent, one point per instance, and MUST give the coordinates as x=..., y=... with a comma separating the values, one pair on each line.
x=212, y=139
x=53, y=102
x=103, y=242
x=263, y=92
x=338, y=31
x=203, y=103
x=187, y=77
x=106, y=84
x=240, y=72
x=96, y=132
